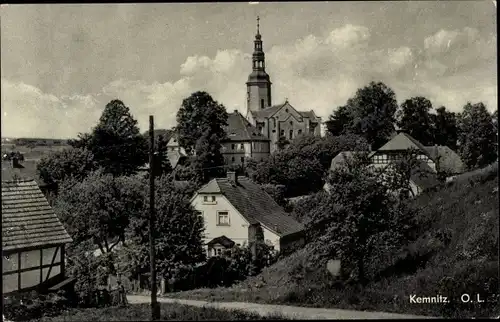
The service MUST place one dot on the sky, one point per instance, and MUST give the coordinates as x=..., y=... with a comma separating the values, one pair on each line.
x=61, y=64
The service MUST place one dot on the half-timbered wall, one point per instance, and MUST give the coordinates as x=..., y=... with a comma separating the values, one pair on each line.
x=27, y=269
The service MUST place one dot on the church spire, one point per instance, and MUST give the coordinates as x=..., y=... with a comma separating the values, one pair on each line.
x=259, y=83
x=258, y=58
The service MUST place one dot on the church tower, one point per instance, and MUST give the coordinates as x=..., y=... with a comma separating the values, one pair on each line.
x=259, y=83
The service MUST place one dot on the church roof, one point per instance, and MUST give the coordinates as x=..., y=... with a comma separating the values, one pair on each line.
x=239, y=129
x=267, y=112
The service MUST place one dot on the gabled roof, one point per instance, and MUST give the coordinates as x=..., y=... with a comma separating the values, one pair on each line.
x=27, y=218
x=309, y=114
x=267, y=112
x=239, y=129
x=401, y=142
x=449, y=160
x=423, y=176
x=341, y=158
x=174, y=157
x=222, y=240
x=254, y=204
x=27, y=169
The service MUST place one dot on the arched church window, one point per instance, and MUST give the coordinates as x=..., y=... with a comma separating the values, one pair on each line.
x=262, y=103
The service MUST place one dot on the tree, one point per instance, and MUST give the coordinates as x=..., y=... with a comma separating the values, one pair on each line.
x=98, y=209
x=357, y=215
x=200, y=115
x=282, y=143
x=58, y=166
x=445, y=128
x=413, y=117
x=208, y=161
x=477, y=136
x=339, y=121
x=179, y=229
x=372, y=110
x=161, y=165
x=116, y=142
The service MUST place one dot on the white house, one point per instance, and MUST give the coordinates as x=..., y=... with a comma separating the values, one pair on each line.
x=232, y=207
x=33, y=240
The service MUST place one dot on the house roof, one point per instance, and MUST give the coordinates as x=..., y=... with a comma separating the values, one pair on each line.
x=239, y=129
x=27, y=218
x=174, y=157
x=267, y=112
x=222, y=240
x=403, y=141
x=26, y=169
x=341, y=158
x=423, y=176
x=309, y=114
x=254, y=204
x=449, y=160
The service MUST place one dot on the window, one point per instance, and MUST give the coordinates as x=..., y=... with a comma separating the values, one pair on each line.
x=205, y=198
x=291, y=134
x=242, y=146
x=242, y=159
x=291, y=122
x=232, y=146
x=222, y=218
x=209, y=199
x=213, y=198
x=299, y=132
x=219, y=251
x=282, y=132
x=232, y=159
x=262, y=103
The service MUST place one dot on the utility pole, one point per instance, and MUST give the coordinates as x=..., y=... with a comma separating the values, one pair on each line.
x=155, y=308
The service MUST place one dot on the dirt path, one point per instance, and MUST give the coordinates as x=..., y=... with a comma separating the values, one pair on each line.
x=295, y=312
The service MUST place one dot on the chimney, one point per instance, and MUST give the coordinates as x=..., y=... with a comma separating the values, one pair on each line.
x=15, y=162
x=231, y=176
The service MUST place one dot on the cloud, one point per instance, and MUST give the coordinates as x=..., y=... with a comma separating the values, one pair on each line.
x=318, y=72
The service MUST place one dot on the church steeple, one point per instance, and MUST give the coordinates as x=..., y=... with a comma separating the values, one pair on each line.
x=259, y=83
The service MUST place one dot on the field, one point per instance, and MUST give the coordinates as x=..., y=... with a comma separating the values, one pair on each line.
x=31, y=152
x=456, y=253
x=169, y=312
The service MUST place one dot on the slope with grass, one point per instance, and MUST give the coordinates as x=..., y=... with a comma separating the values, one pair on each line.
x=456, y=252
x=169, y=312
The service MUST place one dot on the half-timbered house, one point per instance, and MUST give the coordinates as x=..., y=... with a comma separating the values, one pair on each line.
x=33, y=240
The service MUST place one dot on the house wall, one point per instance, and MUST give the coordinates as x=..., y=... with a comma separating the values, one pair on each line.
x=34, y=267
x=233, y=152
x=238, y=228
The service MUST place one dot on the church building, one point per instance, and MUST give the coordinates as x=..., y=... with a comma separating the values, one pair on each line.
x=274, y=121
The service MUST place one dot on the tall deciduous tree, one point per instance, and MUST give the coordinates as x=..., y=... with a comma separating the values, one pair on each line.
x=373, y=109
x=116, y=142
x=73, y=162
x=198, y=114
x=445, y=128
x=413, y=117
x=179, y=229
x=98, y=208
x=477, y=136
x=358, y=213
x=339, y=121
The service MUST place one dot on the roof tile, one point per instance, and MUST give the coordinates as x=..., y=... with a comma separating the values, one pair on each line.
x=27, y=218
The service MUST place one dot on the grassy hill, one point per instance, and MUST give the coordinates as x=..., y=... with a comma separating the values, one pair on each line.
x=456, y=253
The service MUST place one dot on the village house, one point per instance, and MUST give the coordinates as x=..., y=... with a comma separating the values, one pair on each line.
x=173, y=145
x=33, y=240
x=234, y=208
x=431, y=160
x=243, y=141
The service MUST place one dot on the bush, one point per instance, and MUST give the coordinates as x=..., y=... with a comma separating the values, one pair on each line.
x=33, y=306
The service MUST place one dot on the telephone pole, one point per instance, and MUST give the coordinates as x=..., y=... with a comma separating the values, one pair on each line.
x=155, y=308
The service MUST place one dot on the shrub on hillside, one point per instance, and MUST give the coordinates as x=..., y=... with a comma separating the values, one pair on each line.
x=33, y=305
